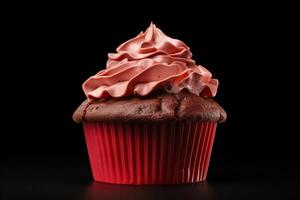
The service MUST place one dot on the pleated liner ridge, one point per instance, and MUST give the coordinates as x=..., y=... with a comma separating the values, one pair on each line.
x=152, y=153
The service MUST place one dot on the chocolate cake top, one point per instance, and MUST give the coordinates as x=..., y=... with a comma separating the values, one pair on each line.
x=183, y=106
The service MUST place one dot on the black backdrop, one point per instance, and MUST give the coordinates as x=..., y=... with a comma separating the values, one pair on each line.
x=51, y=52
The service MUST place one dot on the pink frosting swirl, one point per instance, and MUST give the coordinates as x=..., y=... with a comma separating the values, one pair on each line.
x=151, y=61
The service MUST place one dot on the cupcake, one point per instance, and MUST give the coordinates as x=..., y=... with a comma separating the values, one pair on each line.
x=149, y=117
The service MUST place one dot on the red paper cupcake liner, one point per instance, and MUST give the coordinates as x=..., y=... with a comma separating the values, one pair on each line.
x=151, y=153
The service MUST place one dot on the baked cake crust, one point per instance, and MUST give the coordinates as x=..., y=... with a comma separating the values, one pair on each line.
x=183, y=106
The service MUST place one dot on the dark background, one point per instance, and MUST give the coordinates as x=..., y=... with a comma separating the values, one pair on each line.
x=51, y=51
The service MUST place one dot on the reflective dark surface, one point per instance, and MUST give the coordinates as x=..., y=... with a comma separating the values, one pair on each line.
x=71, y=179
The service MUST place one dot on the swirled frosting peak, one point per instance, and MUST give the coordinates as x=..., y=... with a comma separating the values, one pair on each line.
x=149, y=62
